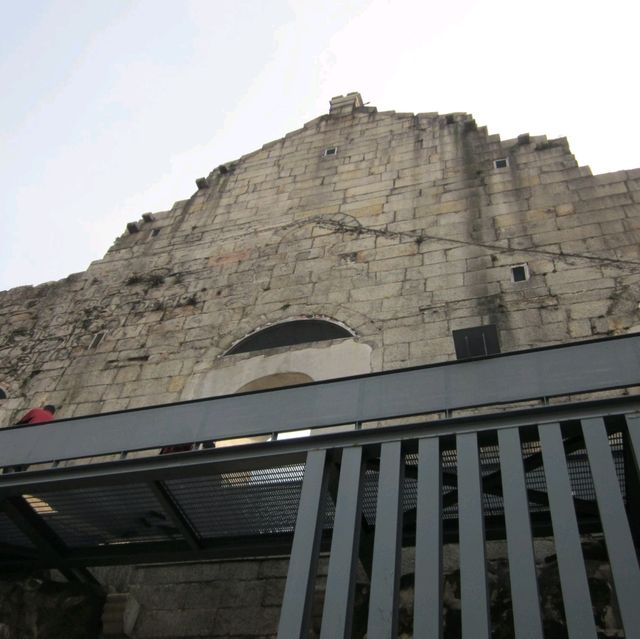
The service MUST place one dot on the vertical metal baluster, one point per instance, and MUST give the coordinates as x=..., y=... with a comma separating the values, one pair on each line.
x=573, y=575
x=615, y=526
x=298, y=593
x=476, y=623
x=338, y=603
x=522, y=567
x=633, y=423
x=632, y=474
x=427, y=616
x=385, y=577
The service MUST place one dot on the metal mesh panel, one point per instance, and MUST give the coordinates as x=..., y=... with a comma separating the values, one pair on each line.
x=256, y=502
x=492, y=503
x=449, y=460
x=265, y=502
x=580, y=472
x=370, y=495
x=410, y=493
x=580, y=475
x=329, y=512
x=11, y=535
x=616, y=441
x=104, y=516
x=370, y=489
x=534, y=477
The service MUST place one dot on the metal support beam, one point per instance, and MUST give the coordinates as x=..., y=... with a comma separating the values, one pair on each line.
x=290, y=451
x=573, y=576
x=522, y=565
x=385, y=580
x=631, y=444
x=506, y=378
x=427, y=619
x=474, y=592
x=298, y=593
x=634, y=437
x=338, y=604
x=622, y=554
x=49, y=545
x=175, y=515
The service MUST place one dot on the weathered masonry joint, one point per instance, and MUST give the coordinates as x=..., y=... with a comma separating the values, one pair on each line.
x=414, y=346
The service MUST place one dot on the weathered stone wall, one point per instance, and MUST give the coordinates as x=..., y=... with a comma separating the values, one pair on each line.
x=242, y=599
x=36, y=607
x=406, y=233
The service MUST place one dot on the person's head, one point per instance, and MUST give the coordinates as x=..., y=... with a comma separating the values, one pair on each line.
x=50, y=408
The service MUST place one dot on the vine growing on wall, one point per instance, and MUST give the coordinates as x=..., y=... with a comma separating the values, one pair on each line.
x=353, y=227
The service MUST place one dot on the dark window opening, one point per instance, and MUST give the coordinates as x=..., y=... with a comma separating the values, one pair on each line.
x=332, y=150
x=97, y=338
x=289, y=334
x=520, y=273
x=476, y=342
x=501, y=163
x=154, y=232
x=3, y=394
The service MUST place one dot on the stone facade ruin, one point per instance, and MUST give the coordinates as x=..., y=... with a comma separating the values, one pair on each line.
x=400, y=229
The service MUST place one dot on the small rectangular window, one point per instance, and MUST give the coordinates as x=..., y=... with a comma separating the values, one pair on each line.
x=476, y=342
x=97, y=338
x=332, y=150
x=501, y=163
x=520, y=273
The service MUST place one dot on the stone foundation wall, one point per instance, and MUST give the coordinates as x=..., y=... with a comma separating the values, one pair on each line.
x=36, y=607
x=229, y=600
x=233, y=599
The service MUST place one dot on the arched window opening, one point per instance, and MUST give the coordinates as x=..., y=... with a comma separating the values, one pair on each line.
x=3, y=393
x=289, y=334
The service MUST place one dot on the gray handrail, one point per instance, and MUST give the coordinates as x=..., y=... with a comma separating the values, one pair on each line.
x=512, y=377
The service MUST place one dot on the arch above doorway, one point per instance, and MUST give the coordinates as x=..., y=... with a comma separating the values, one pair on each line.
x=290, y=333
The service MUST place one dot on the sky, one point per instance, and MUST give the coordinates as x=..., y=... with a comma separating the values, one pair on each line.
x=112, y=108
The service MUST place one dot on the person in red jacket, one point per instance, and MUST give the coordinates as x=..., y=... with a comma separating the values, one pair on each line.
x=38, y=415
x=33, y=416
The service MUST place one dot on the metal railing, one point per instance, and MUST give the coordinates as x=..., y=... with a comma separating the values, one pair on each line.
x=359, y=497
x=501, y=379
x=560, y=479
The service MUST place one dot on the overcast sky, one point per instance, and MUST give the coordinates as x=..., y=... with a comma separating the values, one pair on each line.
x=111, y=108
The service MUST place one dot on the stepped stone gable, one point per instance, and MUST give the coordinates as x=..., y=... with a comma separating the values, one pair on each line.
x=400, y=227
